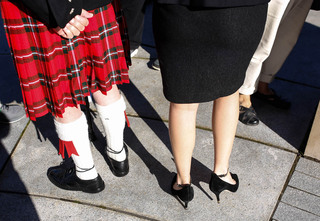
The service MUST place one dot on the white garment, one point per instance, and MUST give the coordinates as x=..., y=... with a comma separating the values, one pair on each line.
x=283, y=26
x=113, y=120
x=77, y=132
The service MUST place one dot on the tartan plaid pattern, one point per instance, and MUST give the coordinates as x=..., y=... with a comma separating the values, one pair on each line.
x=56, y=73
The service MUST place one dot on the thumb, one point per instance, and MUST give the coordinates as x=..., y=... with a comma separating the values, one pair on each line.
x=86, y=14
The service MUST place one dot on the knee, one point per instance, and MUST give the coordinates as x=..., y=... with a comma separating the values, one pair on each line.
x=192, y=107
x=71, y=114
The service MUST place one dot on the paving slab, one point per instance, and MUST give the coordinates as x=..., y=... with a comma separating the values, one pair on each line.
x=309, y=167
x=302, y=65
x=145, y=190
x=289, y=213
x=302, y=200
x=313, y=18
x=290, y=125
x=9, y=136
x=305, y=183
x=285, y=129
x=22, y=207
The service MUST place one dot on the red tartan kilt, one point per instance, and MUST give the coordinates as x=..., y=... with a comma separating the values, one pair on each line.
x=56, y=73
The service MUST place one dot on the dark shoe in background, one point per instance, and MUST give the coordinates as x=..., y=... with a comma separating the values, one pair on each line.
x=248, y=116
x=156, y=65
x=273, y=99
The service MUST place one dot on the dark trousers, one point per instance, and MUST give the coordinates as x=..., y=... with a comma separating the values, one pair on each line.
x=134, y=11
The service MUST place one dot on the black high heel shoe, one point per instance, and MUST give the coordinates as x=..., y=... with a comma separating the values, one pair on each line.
x=185, y=194
x=217, y=185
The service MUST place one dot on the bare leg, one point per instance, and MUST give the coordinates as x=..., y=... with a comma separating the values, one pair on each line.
x=71, y=114
x=182, y=130
x=112, y=96
x=224, y=124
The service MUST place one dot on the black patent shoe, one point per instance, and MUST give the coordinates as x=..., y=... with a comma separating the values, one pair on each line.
x=273, y=99
x=217, y=185
x=64, y=176
x=185, y=194
x=119, y=168
x=248, y=116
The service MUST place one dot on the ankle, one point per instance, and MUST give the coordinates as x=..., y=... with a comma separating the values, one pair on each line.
x=117, y=155
x=263, y=88
x=244, y=100
x=183, y=180
x=86, y=173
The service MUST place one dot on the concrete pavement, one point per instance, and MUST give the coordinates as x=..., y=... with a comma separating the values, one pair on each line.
x=276, y=181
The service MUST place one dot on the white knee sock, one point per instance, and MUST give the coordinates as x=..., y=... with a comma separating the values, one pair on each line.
x=113, y=120
x=77, y=132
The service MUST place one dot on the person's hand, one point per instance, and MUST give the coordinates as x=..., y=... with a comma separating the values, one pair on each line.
x=75, y=25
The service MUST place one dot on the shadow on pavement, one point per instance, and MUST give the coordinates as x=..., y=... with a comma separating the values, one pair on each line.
x=199, y=172
x=13, y=206
x=299, y=82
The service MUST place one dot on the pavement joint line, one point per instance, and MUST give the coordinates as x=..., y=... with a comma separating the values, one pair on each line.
x=303, y=191
x=307, y=175
x=312, y=159
x=14, y=148
x=293, y=167
x=83, y=203
x=208, y=129
x=298, y=83
x=268, y=144
x=300, y=209
x=140, y=58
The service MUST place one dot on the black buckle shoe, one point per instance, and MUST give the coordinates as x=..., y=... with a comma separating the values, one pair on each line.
x=119, y=168
x=274, y=100
x=64, y=176
x=248, y=116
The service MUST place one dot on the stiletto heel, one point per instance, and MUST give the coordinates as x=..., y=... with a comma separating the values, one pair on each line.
x=217, y=185
x=183, y=195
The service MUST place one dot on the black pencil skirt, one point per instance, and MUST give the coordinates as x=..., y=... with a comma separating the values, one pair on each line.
x=204, y=52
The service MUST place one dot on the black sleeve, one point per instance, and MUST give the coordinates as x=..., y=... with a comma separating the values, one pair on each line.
x=40, y=10
x=64, y=10
x=54, y=12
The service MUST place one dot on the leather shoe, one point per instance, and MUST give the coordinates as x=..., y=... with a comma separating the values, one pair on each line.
x=273, y=99
x=64, y=176
x=248, y=116
x=119, y=168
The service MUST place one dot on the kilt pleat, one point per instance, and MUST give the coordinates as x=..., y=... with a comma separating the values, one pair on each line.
x=56, y=73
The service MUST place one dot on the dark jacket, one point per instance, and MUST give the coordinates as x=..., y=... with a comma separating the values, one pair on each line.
x=55, y=13
x=214, y=3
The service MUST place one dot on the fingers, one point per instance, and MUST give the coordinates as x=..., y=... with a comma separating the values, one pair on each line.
x=60, y=32
x=86, y=14
x=75, y=25
x=79, y=22
x=71, y=30
x=68, y=31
